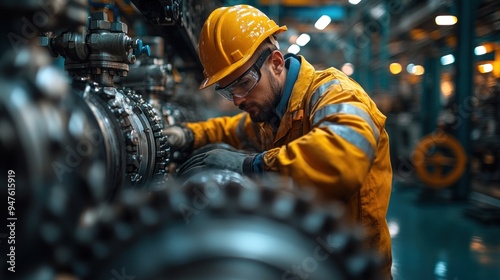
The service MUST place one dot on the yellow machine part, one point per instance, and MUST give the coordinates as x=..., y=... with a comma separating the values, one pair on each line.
x=439, y=160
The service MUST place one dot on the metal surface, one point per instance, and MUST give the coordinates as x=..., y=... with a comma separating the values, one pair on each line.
x=220, y=231
x=101, y=53
x=464, y=84
x=152, y=78
x=136, y=149
x=93, y=200
x=182, y=19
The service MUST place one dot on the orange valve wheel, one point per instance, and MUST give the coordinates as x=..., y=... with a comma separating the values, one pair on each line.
x=439, y=160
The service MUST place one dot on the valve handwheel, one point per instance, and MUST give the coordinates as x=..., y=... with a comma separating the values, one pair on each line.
x=439, y=160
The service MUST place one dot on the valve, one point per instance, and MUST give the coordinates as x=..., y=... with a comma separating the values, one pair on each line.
x=141, y=49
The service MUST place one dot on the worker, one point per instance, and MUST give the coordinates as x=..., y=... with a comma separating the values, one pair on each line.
x=320, y=128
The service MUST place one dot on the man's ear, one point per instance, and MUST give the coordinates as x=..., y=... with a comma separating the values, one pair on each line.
x=278, y=62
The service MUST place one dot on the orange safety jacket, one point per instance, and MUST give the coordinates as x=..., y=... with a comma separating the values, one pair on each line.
x=331, y=137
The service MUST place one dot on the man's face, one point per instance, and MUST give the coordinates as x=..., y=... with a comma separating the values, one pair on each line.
x=261, y=101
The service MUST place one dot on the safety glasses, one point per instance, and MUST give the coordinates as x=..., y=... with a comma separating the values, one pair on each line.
x=244, y=84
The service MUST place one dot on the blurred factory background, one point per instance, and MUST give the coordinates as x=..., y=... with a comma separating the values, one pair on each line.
x=87, y=86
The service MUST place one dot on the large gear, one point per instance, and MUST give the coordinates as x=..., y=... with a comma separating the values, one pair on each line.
x=214, y=231
x=107, y=212
x=152, y=79
x=138, y=146
x=136, y=150
x=54, y=152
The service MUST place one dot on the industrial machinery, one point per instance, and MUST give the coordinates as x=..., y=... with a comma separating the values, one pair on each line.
x=153, y=78
x=89, y=193
x=70, y=146
x=131, y=126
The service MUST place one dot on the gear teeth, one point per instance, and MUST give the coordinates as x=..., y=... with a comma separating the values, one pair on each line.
x=176, y=202
x=362, y=267
x=315, y=222
x=283, y=206
x=162, y=149
x=249, y=200
x=219, y=202
x=234, y=189
x=122, y=105
x=339, y=242
x=158, y=200
x=194, y=205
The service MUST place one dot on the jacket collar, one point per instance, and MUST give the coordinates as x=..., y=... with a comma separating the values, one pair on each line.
x=302, y=84
x=300, y=87
x=292, y=63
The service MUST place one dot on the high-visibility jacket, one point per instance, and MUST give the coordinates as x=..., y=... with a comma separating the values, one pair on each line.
x=331, y=137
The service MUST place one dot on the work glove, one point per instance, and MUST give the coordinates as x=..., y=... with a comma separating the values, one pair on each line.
x=236, y=161
x=179, y=138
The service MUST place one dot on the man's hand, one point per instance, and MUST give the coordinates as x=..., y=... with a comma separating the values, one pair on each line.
x=219, y=159
x=178, y=137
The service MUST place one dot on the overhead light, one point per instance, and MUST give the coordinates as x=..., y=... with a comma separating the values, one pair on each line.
x=479, y=50
x=294, y=48
x=447, y=59
x=446, y=20
x=354, y=2
x=447, y=88
x=485, y=68
x=303, y=39
x=415, y=69
x=484, y=49
x=418, y=70
x=409, y=68
x=348, y=69
x=393, y=228
x=322, y=22
x=395, y=68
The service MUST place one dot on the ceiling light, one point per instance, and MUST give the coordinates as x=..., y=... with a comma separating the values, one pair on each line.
x=418, y=70
x=322, y=22
x=447, y=88
x=489, y=47
x=446, y=20
x=348, y=69
x=484, y=48
x=303, y=39
x=395, y=68
x=354, y=2
x=485, y=68
x=409, y=68
x=479, y=50
x=294, y=49
x=447, y=59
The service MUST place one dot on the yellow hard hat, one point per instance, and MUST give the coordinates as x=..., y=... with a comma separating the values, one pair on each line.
x=229, y=38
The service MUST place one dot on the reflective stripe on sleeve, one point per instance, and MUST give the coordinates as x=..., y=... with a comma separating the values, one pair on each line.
x=319, y=92
x=345, y=108
x=351, y=136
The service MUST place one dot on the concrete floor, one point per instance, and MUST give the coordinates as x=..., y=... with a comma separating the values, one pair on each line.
x=434, y=239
